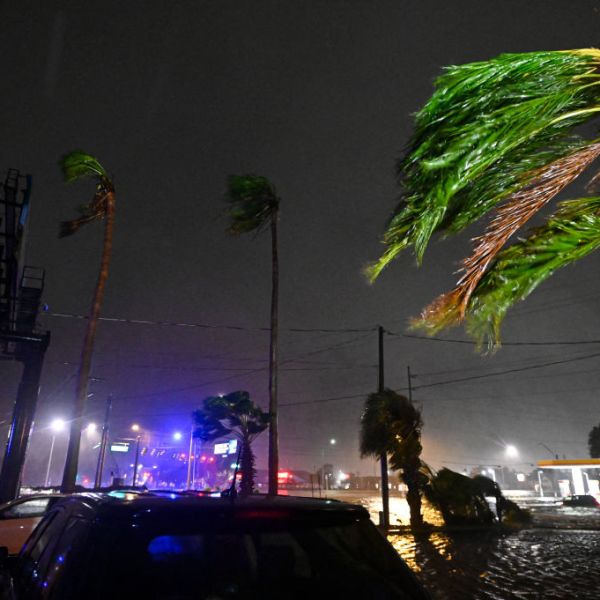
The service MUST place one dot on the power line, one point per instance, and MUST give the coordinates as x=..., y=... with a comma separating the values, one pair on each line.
x=470, y=343
x=246, y=373
x=506, y=372
x=209, y=326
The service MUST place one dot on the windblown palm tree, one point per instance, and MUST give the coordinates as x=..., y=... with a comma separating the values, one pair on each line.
x=499, y=135
x=78, y=165
x=391, y=426
x=233, y=414
x=254, y=206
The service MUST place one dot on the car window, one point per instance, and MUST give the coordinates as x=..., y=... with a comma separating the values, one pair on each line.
x=38, y=549
x=251, y=560
x=65, y=566
x=36, y=507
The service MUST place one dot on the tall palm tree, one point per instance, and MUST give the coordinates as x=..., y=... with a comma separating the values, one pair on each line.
x=254, y=206
x=391, y=426
x=233, y=414
x=499, y=134
x=79, y=165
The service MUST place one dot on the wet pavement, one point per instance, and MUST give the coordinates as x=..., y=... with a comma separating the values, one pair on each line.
x=557, y=558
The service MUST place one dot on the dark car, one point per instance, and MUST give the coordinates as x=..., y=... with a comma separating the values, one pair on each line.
x=183, y=548
x=581, y=500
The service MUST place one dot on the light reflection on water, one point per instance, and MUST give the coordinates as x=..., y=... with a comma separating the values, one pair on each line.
x=557, y=559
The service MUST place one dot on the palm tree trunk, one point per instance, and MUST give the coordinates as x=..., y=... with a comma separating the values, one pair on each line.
x=410, y=476
x=70, y=472
x=273, y=433
x=247, y=466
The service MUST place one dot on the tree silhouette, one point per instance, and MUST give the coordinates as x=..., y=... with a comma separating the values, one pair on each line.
x=79, y=165
x=235, y=414
x=253, y=206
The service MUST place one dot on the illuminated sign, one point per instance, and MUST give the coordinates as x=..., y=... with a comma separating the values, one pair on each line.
x=225, y=448
x=119, y=447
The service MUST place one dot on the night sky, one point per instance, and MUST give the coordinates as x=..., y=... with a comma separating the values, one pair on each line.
x=172, y=97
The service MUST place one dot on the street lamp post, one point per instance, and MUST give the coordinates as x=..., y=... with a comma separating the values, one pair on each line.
x=539, y=473
x=136, y=428
x=137, y=459
x=56, y=426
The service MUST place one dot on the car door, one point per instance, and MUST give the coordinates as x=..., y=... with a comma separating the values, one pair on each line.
x=34, y=560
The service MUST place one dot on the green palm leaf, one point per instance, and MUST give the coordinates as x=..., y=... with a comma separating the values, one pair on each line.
x=79, y=165
x=484, y=134
x=570, y=234
x=253, y=201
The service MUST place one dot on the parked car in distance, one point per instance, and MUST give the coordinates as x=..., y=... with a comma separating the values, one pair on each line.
x=581, y=500
x=19, y=517
x=184, y=547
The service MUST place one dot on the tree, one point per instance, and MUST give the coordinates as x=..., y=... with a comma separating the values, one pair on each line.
x=594, y=442
x=499, y=133
x=254, y=206
x=79, y=165
x=235, y=414
x=391, y=426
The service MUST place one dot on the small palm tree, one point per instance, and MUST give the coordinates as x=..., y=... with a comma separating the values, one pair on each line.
x=79, y=165
x=391, y=426
x=233, y=414
x=499, y=134
x=254, y=206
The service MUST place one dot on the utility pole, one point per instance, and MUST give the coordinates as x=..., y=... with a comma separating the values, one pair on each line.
x=409, y=384
x=385, y=491
x=103, y=444
x=137, y=459
x=190, y=458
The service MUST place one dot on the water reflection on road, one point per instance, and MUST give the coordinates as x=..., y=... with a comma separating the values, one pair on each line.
x=558, y=558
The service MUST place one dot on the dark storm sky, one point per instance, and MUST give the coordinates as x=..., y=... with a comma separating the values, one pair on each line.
x=174, y=96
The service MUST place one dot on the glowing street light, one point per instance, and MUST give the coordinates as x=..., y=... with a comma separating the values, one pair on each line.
x=333, y=441
x=135, y=427
x=91, y=428
x=511, y=451
x=56, y=426
x=178, y=436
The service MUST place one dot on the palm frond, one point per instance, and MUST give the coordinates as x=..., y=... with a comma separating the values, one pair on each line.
x=484, y=134
x=449, y=309
x=78, y=164
x=570, y=234
x=253, y=201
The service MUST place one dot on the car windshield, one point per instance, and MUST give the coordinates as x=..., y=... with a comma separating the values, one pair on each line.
x=258, y=559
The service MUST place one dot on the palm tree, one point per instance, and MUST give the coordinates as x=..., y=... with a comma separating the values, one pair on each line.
x=254, y=206
x=499, y=133
x=594, y=442
x=391, y=426
x=79, y=165
x=233, y=414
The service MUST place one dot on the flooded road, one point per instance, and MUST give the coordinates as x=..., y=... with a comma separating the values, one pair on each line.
x=558, y=558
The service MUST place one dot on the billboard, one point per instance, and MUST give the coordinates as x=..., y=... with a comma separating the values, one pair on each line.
x=226, y=448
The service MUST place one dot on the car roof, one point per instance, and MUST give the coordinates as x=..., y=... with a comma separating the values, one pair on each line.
x=147, y=505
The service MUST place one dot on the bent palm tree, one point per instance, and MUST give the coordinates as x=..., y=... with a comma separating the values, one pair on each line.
x=254, y=205
x=234, y=414
x=499, y=132
x=391, y=426
x=78, y=165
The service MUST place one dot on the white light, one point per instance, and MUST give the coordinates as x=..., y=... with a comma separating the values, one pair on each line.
x=58, y=425
x=332, y=441
x=135, y=427
x=177, y=436
x=521, y=477
x=91, y=428
x=511, y=451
